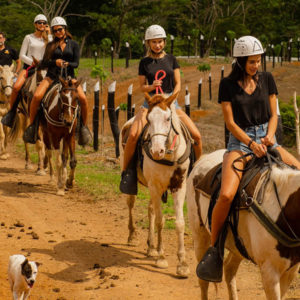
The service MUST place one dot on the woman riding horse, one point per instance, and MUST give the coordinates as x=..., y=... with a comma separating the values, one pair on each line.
x=61, y=53
x=156, y=59
x=248, y=100
x=33, y=45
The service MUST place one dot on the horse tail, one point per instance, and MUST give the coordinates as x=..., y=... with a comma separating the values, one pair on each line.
x=15, y=131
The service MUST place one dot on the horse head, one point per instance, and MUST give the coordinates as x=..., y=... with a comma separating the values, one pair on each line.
x=68, y=100
x=159, y=118
x=6, y=79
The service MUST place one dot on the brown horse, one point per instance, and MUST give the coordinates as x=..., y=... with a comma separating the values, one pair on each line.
x=21, y=121
x=60, y=107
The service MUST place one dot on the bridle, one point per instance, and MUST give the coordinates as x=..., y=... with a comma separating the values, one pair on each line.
x=4, y=86
x=61, y=122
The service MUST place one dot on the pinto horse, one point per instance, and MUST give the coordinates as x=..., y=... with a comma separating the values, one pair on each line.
x=6, y=83
x=278, y=263
x=60, y=107
x=163, y=168
x=22, y=120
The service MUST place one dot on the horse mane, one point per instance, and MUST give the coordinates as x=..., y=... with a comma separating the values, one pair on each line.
x=157, y=100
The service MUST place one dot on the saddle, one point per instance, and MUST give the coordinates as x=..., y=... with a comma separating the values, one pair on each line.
x=249, y=195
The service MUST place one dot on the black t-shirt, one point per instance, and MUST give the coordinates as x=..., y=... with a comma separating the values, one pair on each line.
x=70, y=54
x=149, y=66
x=7, y=55
x=249, y=110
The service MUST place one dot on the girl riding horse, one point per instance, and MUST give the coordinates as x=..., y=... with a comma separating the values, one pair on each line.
x=62, y=52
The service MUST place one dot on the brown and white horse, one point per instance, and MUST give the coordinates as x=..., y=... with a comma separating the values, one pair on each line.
x=278, y=264
x=22, y=118
x=164, y=129
x=59, y=124
x=6, y=83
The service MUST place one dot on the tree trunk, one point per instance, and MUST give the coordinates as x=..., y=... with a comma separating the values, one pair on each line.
x=297, y=124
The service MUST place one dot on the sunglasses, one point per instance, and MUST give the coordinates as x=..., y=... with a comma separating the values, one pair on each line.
x=58, y=30
x=41, y=22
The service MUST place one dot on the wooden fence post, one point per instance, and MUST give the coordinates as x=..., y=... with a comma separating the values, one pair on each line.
x=279, y=129
x=96, y=116
x=113, y=116
x=209, y=83
x=199, y=92
x=132, y=110
x=129, y=97
x=297, y=123
x=187, y=104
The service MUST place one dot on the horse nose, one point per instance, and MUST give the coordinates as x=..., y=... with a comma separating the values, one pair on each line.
x=157, y=154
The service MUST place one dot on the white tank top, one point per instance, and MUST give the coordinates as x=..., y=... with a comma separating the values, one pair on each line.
x=32, y=46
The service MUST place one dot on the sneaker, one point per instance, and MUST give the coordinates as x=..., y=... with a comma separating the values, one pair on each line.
x=128, y=184
x=210, y=268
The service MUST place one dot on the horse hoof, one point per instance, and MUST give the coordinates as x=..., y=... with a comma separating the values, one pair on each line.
x=28, y=167
x=152, y=252
x=60, y=193
x=183, y=271
x=4, y=156
x=132, y=240
x=162, y=263
x=41, y=172
x=69, y=185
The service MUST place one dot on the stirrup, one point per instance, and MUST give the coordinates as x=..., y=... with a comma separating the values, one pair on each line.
x=84, y=136
x=128, y=184
x=210, y=268
x=8, y=119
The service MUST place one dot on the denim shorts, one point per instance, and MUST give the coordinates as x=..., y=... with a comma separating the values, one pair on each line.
x=254, y=132
x=145, y=104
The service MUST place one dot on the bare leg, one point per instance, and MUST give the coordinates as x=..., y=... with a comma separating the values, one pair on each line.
x=288, y=158
x=17, y=86
x=83, y=105
x=135, y=131
x=195, y=133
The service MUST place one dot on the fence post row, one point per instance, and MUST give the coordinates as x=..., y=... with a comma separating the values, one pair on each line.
x=209, y=82
x=199, y=92
x=113, y=119
x=127, y=54
x=129, y=97
x=132, y=110
x=96, y=116
x=112, y=58
x=187, y=104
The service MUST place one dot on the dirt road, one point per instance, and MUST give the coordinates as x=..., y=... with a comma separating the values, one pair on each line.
x=82, y=246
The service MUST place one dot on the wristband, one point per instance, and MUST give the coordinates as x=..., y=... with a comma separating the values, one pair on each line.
x=250, y=143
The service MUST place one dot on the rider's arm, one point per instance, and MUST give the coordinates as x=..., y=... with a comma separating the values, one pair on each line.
x=177, y=80
x=18, y=67
x=23, y=52
x=145, y=87
x=76, y=55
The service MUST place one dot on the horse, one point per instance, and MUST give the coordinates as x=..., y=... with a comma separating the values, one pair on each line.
x=60, y=108
x=278, y=263
x=6, y=83
x=164, y=142
x=22, y=120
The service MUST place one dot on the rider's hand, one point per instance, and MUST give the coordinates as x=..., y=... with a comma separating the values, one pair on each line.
x=259, y=150
x=156, y=83
x=60, y=63
x=268, y=140
x=47, y=29
x=65, y=64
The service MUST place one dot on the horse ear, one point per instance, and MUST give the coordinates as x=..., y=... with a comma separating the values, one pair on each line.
x=171, y=98
x=78, y=82
x=1, y=68
x=12, y=67
x=36, y=62
x=63, y=82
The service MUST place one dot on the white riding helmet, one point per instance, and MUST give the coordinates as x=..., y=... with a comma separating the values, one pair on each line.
x=40, y=17
x=155, y=32
x=58, y=21
x=247, y=46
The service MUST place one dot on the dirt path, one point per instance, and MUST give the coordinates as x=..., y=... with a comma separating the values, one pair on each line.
x=70, y=235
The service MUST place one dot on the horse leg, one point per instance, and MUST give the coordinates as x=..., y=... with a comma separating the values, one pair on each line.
x=2, y=137
x=5, y=140
x=287, y=278
x=51, y=169
x=40, y=148
x=271, y=281
x=64, y=158
x=132, y=237
x=155, y=196
x=231, y=266
x=151, y=251
x=179, y=197
x=59, y=170
x=73, y=163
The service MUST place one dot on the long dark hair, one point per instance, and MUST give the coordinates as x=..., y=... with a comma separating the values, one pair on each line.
x=53, y=45
x=239, y=73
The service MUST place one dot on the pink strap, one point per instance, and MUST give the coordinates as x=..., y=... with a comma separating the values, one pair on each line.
x=160, y=78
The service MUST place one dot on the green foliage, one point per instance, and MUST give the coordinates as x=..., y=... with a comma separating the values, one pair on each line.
x=288, y=121
x=98, y=71
x=123, y=106
x=230, y=34
x=204, y=67
x=277, y=49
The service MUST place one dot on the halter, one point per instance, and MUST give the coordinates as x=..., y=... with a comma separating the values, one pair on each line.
x=5, y=86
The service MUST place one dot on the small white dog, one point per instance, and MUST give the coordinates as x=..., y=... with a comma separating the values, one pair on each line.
x=21, y=276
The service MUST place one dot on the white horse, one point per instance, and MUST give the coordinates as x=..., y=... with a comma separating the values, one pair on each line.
x=6, y=83
x=278, y=264
x=163, y=131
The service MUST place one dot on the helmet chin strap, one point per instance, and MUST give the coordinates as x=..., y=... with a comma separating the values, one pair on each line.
x=157, y=53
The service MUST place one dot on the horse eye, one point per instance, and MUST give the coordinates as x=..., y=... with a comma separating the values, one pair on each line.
x=168, y=119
